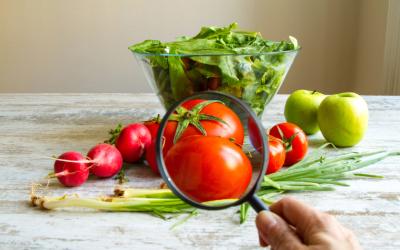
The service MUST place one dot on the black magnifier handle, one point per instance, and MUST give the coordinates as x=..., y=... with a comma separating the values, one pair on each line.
x=257, y=203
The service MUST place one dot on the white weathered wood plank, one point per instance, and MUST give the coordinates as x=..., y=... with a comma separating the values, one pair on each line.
x=37, y=125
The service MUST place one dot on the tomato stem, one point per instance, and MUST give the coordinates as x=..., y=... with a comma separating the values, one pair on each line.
x=287, y=142
x=186, y=117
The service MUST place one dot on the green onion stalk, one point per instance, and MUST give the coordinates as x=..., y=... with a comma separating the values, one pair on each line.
x=155, y=201
x=158, y=202
x=317, y=172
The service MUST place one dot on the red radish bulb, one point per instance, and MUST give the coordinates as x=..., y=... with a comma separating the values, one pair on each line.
x=106, y=160
x=74, y=171
x=132, y=142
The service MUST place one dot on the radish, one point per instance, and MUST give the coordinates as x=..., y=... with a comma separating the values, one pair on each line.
x=71, y=169
x=132, y=142
x=106, y=160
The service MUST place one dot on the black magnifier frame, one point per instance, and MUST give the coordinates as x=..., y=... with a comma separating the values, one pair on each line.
x=250, y=196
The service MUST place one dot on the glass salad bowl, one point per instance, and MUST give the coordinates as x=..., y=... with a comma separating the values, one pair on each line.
x=226, y=59
x=254, y=78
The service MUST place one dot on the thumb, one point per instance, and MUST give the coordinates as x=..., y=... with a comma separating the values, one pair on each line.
x=274, y=231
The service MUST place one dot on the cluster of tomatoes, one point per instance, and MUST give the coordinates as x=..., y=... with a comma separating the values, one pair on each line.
x=211, y=165
x=287, y=145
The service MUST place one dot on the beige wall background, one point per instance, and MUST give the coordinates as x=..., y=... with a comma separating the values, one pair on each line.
x=81, y=45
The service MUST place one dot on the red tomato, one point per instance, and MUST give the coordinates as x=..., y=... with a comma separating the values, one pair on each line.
x=254, y=134
x=276, y=155
x=295, y=141
x=153, y=125
x=276, y=148
x=209, y=168
x=151, y=157
x=232, y=129
x=150, y=154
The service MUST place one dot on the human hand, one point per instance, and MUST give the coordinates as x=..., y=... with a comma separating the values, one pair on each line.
x=292, y=224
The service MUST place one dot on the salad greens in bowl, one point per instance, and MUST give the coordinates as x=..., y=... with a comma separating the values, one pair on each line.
x=224, y=59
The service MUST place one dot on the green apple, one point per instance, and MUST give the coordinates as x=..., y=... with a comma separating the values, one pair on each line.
x=343, y=119
x=301, y=108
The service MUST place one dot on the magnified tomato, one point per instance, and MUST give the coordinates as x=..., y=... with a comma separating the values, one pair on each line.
x=295, y=141
x=206, y=168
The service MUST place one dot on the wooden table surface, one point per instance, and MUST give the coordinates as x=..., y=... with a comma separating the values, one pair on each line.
x=37, y=125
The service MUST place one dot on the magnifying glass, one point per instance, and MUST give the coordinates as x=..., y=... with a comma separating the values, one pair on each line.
x=212, y=152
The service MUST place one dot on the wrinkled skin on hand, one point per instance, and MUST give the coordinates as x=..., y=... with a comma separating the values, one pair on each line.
x=291, y=224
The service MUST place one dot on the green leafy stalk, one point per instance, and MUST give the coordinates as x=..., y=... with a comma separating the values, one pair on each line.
x=121, y=176
x=244, y=211
x=158, y=205
x=158, y=202
x=144, y=193
x=114, y=133
x=190, y=215
x=265, y=197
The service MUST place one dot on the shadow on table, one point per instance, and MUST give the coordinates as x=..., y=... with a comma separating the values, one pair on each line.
x=316, y=142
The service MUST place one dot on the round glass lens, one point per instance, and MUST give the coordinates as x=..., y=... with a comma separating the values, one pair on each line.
x=211, y=150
